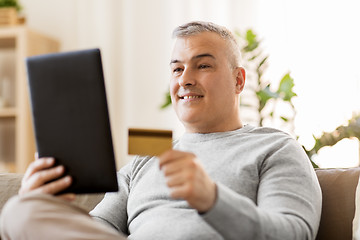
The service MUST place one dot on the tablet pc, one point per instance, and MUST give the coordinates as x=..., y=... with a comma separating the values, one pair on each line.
x=70, y=117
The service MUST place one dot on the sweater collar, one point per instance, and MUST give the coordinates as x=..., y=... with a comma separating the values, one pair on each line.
x=202, y=137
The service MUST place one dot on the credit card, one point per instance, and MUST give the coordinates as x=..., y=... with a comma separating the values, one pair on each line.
x=149, y=142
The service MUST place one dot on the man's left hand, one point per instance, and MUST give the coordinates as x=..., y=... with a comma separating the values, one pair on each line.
x=188, y=180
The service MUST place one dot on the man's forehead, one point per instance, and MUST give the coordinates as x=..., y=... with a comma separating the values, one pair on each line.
x=196, y=46
x=204, y=39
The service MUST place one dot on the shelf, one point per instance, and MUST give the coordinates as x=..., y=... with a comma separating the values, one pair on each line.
x=17, y=143
x=8, y=112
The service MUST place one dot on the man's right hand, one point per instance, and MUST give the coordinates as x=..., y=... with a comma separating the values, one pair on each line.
x=38, y=175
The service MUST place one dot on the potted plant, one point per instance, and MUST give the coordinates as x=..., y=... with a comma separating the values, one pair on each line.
x=8, y=12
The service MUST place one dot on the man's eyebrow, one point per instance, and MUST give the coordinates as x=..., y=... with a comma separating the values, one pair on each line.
x=174, y=61
x=195, y=57
x=203, y=55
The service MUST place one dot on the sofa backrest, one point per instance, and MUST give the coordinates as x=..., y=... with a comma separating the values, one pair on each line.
x=338, y=210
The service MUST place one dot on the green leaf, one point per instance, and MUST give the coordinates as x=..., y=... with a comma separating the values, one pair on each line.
x=314, y=164
x=10, y=3
x=250, y=36
x=286, y=86
x=253, y=57
x=167, y=101
x=284, y=119
x=252, y=42
x=265, y=94
x=263, y=61
x=245, y=105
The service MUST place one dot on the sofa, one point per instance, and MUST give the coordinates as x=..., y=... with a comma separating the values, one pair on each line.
x=339, y=219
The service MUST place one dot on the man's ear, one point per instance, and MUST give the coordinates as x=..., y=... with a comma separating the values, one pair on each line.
x=240, y=79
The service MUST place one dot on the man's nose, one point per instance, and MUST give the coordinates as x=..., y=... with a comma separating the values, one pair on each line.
x=187, y=78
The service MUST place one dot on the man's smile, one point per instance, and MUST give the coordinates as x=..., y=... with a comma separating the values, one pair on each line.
x=190, y=97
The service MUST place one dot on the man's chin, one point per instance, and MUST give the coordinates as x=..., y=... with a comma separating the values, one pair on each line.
x=195, y=127
x=187, y=118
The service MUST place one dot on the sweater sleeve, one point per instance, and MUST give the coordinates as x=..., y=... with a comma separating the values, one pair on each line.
x=112, y=209
x=288, y=201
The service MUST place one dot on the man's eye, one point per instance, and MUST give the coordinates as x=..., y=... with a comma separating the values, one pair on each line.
x=176, y=70
x=204, y=66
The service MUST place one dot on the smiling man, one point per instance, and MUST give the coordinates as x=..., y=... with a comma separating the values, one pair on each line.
x=221, y=180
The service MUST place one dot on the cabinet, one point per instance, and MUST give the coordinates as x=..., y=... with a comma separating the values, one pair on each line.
x=17, y=144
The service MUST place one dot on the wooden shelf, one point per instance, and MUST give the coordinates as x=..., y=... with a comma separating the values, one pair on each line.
x=17, y=143
x=8, y=112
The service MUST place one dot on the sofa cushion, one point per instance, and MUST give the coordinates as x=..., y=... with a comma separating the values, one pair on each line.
x=9, y=186
x=338, y=190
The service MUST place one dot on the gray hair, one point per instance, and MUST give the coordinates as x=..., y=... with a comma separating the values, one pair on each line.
x=197, y=27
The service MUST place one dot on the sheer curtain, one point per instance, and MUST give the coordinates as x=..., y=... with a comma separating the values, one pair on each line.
x=317, y=41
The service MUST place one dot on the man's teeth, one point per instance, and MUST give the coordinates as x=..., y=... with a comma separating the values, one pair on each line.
x=190, y=97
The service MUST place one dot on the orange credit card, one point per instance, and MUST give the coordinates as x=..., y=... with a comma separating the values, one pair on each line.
x=149, y=142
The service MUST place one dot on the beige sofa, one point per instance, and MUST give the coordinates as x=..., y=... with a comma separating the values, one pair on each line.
x=339, y=217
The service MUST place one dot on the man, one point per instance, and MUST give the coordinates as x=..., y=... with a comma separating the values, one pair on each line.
x=221, y=180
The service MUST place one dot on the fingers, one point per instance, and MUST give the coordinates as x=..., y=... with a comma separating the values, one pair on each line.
x=55, y=186
x=50, y=188
x=41, y=177
x=187, y=179
x=37, y=165
x=177, y=179
x=172, y=156
x=172, y=167
x=177, y=166
x=184, y=182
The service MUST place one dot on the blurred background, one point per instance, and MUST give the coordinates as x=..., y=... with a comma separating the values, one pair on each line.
x=316, y=41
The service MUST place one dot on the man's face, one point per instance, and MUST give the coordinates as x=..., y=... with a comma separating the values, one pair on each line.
x=204, y=87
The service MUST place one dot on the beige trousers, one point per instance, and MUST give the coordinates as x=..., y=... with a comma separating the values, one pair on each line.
x=42, y=216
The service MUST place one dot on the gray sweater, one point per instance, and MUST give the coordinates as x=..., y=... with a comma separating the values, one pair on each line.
x=267, y=189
